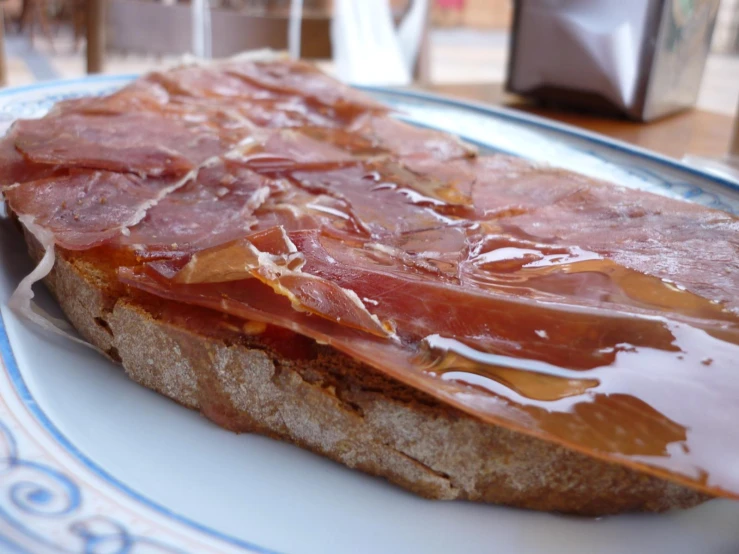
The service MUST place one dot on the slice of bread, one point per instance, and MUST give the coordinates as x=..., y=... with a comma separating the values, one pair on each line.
x=328, y=403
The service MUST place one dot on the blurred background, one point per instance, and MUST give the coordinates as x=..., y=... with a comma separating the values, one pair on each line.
x=465, y=42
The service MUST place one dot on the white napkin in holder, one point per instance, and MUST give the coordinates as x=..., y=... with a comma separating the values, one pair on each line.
x=637, y=58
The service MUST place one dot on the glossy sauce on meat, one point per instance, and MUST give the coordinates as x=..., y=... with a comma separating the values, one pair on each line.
x=593, y=316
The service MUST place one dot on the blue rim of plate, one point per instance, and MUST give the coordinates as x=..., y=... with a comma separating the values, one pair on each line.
x=27, y=398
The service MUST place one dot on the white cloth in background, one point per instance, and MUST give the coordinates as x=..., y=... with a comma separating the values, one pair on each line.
x=202, y=37
x=368, y=49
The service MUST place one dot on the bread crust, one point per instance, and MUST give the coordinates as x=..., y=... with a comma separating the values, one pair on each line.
x=339, y=408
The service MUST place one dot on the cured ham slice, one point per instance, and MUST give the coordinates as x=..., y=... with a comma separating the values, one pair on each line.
x=592, y=316
x=142, y=95
x=15, y=169
x=134, y=143
x=198, y=89
x=85, y=208
x=645, y=232
x=214, y=206
x=206, y=82
x=305, y=80
x=411, y=142
x=549, y=369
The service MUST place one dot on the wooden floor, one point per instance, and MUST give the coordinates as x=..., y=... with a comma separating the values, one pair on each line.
x=457, y=56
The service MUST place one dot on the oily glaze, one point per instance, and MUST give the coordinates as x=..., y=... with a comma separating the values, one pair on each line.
x=593, y=316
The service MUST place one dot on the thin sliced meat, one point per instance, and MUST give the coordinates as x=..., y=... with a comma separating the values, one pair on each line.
x=465, y=349
x=499, y=186
x=194, y=87
x=526, y=296
x=273, y=151
x=290, y=112
x=214, y=207
x=15, y=168
x=384, y=278
x=685, y=243
x=136, y=143
x=139, y=96
x=303, y=79
x=378, y=198
x=324, y=185
x=272, y=258
x=408, y=141
x=86, y=208
x=200, y=81
x=696, y=247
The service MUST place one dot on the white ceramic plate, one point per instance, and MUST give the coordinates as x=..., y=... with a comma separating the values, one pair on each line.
x=90, y=462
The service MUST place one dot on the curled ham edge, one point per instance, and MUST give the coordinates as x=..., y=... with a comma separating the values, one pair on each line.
x=270, y=268
x=22, y=300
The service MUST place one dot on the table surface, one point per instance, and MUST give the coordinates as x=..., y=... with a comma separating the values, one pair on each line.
x=696, y=132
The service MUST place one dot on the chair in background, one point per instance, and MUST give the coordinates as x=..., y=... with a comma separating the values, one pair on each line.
x=35, y=13
x=139, y=26
x=263, y=23
x=3, y=62
x=77, y=11
x=95, y=34
x=158, y=28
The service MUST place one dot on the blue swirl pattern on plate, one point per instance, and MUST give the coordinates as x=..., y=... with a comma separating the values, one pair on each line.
x=36, y=490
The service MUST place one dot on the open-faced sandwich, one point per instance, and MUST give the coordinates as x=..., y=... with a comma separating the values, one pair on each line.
x=260, y=243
